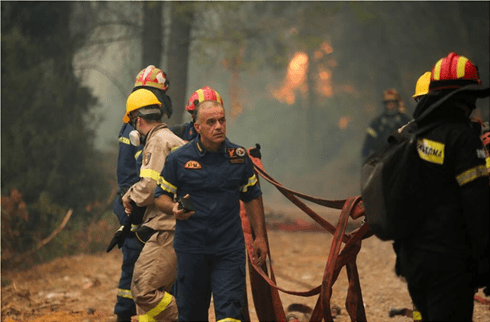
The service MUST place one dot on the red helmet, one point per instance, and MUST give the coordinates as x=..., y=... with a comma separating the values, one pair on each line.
x=453, y=72
x=201, y=95
x=391, y=94
x=486, y=139
x=152, y=77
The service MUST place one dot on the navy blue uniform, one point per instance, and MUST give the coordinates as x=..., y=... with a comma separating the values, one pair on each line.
x=128, y=165
x=379, y=130
x=185, y=131
x=210, y=245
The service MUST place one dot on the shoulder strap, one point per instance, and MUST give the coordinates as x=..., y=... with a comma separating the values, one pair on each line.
x=476, y=90
x=178, y=130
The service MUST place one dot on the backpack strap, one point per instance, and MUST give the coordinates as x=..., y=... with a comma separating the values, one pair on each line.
x=178, y=130
x=474, y=89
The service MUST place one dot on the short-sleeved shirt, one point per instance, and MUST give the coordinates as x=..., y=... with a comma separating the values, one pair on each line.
x=215, y=182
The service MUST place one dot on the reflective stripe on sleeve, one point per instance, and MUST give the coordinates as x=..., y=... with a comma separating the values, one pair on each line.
x=124, y=140
x=372, y=132
x=124, y=293
x=471, y=174
x=228, y=320
x=150, y=315
x=167, y=186
x=487, y=161
x=152, y=174
x=251, y=181
x=137, y=154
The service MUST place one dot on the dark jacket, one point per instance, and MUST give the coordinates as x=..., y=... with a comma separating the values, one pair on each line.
x=454, y=234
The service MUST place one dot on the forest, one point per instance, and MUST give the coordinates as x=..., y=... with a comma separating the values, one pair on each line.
x=302, y=79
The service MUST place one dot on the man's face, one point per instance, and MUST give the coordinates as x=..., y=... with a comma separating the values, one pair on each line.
x=211, y=124
x=391, y=105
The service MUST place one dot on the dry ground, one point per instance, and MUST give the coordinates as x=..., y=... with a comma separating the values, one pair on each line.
x=82, y=288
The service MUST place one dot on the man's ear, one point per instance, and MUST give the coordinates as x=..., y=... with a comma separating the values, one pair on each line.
x=197, y=127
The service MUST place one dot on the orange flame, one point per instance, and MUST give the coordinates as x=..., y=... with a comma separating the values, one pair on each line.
x=344, y=122
x=295, y=78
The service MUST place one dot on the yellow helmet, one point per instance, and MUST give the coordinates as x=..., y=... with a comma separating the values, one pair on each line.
x=139, y=99
x=422, y=86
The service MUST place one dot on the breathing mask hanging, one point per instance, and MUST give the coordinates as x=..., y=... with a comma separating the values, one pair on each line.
x=135, y=138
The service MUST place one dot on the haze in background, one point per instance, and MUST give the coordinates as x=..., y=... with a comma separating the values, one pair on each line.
x=316, y=149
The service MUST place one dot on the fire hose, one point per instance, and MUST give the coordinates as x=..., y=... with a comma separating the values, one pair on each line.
x=264, y=287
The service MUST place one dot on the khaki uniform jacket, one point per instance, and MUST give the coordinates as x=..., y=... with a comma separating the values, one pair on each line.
x=160, y=141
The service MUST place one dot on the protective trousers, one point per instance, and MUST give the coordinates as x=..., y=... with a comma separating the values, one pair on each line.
x=200, y=275
x=443, y=296
x=125, y=307
x=154, y=275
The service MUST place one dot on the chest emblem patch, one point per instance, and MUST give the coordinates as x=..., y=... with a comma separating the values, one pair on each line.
x=236, y=155
x=240, y=152
x=192, y=165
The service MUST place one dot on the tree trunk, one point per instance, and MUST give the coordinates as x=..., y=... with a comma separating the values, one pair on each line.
x=152, y=35
x=178, y=59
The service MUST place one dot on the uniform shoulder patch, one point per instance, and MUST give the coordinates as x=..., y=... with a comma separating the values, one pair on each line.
x=192, y=165
x=146, y=158
x=240, y=152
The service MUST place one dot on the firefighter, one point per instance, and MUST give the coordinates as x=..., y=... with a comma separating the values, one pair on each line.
x=155, y=269
x=388, y=122
x=447, y=257
x=128, y=165
x=187, y=131
x=422, y=87
x=214, y=174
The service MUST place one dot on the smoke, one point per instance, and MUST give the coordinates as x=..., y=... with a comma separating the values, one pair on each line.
x=315, y=148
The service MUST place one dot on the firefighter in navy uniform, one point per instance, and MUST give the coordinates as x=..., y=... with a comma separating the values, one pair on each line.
x=128, y=172
x=215, y=175
x=447, y=257
x=388, y=122
x=127, y=175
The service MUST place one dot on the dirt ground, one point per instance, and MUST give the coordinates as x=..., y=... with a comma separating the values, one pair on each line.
x=83, y=288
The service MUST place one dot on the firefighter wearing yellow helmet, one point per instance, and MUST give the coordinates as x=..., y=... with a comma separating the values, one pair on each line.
x=128, y=164
x=447, y=257
x=382, y=126
x=154, y=272
x=422, y=86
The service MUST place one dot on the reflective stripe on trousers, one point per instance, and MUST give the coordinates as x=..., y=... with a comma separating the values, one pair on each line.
x=149, y=316
x=124, y=293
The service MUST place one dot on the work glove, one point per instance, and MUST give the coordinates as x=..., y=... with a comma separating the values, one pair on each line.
x=255, y=152
x=144, y=233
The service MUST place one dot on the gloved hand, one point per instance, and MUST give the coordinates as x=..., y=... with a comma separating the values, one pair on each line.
x=255, y=152
x=118, y=239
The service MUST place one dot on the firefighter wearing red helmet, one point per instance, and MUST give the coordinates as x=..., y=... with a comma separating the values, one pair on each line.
x=148, y=272
x=186, y=131
x=447, y=258
x=128, y=173
x=382, y=126
x=213, y=174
